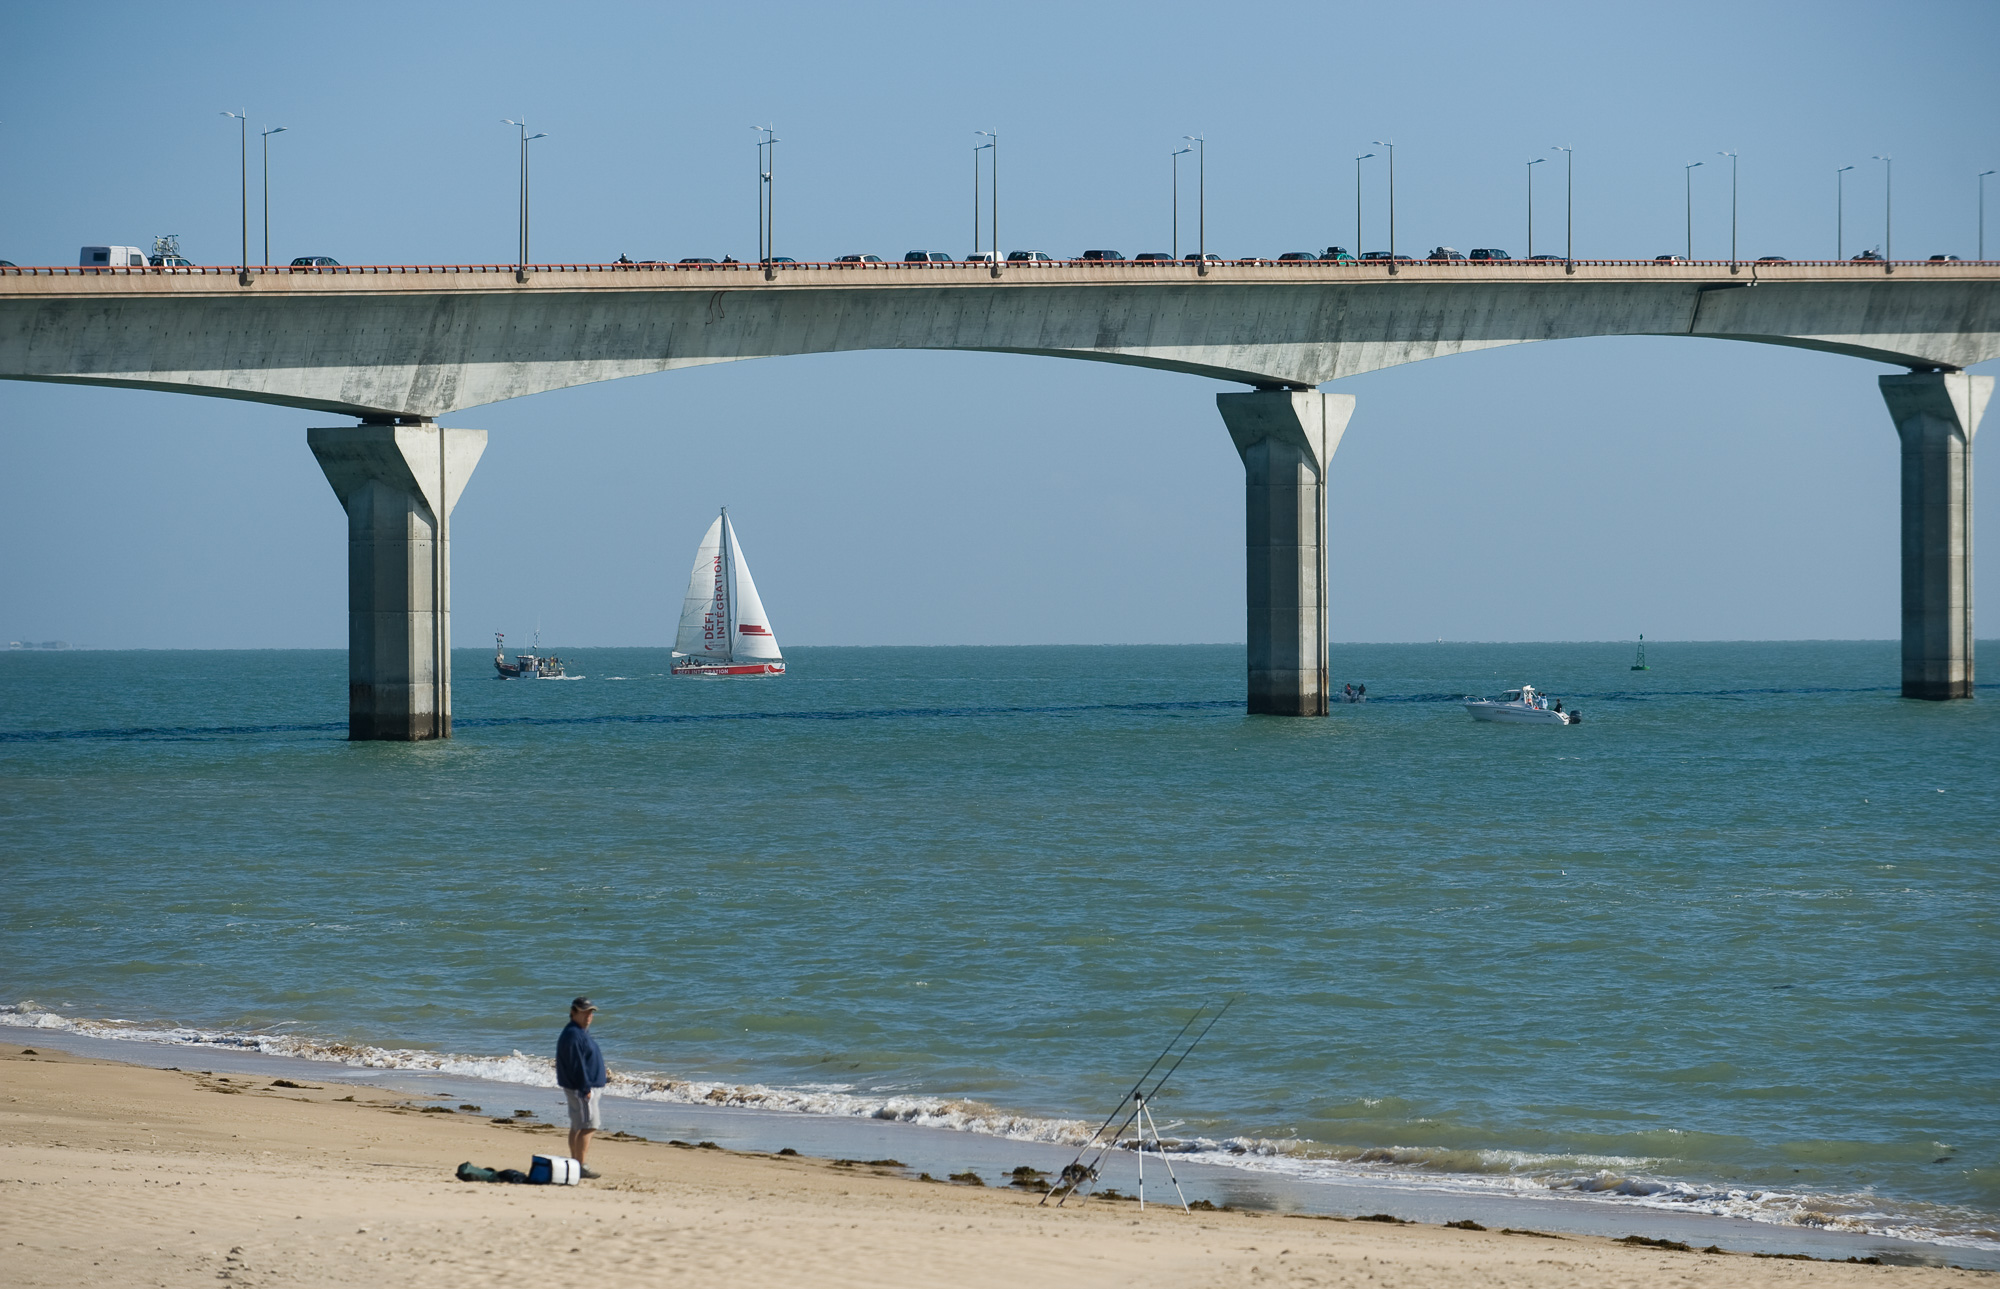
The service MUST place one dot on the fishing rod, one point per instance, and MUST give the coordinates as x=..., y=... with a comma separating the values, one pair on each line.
x=1076, y=1173
x=1139, y=1102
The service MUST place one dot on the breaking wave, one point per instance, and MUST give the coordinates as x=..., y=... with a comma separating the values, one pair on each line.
x=1602, y=1178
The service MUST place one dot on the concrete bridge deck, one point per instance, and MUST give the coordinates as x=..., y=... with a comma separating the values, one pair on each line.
x=425, y=341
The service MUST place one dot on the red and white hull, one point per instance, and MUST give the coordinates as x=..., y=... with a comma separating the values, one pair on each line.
x=730, y=669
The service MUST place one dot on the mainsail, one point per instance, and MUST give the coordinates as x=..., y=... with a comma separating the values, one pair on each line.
x=722, y=620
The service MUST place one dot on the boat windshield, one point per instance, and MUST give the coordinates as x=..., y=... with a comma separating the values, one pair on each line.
x=1511, y=696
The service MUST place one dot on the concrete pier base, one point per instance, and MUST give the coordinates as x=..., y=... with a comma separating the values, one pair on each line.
x=1936, y=415
x=398, y=484
x=1286, y=438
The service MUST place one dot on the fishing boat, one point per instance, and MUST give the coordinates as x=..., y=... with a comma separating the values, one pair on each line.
x=526, y=666
x=1523, y=706
x=724, y=630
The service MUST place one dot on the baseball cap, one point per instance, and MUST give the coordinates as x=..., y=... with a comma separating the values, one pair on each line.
x=582, y=1005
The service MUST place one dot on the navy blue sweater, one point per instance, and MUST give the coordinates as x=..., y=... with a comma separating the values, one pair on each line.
x=579, y=1064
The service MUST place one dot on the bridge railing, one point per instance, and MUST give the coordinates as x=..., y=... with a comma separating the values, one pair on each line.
x=981, y=266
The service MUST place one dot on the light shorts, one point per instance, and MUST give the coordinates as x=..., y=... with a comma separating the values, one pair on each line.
x=583, y=1109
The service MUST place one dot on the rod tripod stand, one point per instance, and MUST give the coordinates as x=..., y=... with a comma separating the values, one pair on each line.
x=1143, y=1115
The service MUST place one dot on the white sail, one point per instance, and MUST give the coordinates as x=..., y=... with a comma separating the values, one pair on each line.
x=704, y=631
x=754, y=639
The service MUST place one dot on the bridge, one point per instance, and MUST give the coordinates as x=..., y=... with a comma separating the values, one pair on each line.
x=397, y=347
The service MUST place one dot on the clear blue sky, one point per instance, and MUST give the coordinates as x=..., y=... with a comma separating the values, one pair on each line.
x=1687, y=489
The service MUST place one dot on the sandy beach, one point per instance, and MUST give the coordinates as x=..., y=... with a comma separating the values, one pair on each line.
x=122, y=1175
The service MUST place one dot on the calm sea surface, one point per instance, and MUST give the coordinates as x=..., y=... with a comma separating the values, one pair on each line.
x=1729, y=944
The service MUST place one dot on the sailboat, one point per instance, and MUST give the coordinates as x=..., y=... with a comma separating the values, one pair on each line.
x=724, y=630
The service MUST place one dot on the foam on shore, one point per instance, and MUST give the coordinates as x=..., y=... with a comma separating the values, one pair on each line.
x=1600, y=1178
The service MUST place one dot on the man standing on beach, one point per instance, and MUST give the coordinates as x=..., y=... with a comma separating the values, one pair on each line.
x=580, y=1074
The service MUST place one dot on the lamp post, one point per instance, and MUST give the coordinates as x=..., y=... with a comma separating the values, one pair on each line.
x=242, y=120
x=1982, y=214
x=1840, y=212
x=767, y=198
x=1201, y=202
x=1531, y=204
x=1390, y=144
x=993, y=141
x=521, y=264
x=1177, y=202
x=977, y=148
x=1732, y=208
x=1888, y=206
x=1359, y=203
x=1569, y=206
x=1687, y=177
x=277, y=129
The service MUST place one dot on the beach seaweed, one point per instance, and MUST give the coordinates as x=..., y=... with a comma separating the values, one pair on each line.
x=1465, y=1224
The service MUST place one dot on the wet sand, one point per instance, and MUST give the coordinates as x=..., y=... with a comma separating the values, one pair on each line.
x=118, y=1175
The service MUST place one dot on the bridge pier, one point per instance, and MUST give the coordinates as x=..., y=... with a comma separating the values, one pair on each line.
x=398, y=484
x=1936, y=415
x=1286, y=439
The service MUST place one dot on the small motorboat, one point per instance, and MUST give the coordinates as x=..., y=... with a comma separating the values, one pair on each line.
x=526, y=666
x=1523, y=706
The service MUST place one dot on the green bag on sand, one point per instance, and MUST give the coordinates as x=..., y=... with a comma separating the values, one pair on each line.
x=471, y=1172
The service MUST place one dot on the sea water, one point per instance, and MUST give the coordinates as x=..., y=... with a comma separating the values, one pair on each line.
x=1726, y=946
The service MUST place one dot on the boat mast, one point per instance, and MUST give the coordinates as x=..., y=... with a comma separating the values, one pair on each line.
x=728, y=590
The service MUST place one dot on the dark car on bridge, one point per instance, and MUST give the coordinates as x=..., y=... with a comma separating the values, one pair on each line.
x=1772, y=259
x=1557, y=259
x=307, y=263
x=1152, y=257
x=1487, y=254
x=699, y=259
x=1101, y=257
x=1384, y=255
x=1298, y=257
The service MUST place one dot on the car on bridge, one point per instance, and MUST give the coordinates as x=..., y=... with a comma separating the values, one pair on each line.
x=1101, y=257
x=310, y=263
x=1550, y=259
x=1868, y=255
x=698, y=259
x=1487, y=254
x=1195, y=257
x=1772, y=259
x=1029, y=257
x=926, y=257
x=1936, y=258
x=1657, y=259
x=1152, y=257
x=1336, y=253
x=1384, y=255
x=859, y=259
x=1443, y=253
x=111, y=257
x=1298, y=257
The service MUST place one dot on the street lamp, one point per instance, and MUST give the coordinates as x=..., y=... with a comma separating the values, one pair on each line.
x=1569, y=207
x=1177, y=201
x=977, y=148
x=1732, y=208
x=1982, y=214
x=1357, y=202
x=992, y=141
x=276, y=129
x=1531, y=204
x=767, y=197
x=1389, y=144
x=1201, y=202
x=1840, y=212
x=1687, y=177
x=521, y=264
x=242, y=120
x=1888, y=206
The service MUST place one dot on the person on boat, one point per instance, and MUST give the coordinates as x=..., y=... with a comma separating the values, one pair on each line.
x=1559, y=704
x=581, y=1074
x=1361, y=691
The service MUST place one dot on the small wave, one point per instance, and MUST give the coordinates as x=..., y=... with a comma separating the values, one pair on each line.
x=1597, y=1178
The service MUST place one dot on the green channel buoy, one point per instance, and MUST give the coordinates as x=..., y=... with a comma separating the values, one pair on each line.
x=1640, y=665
